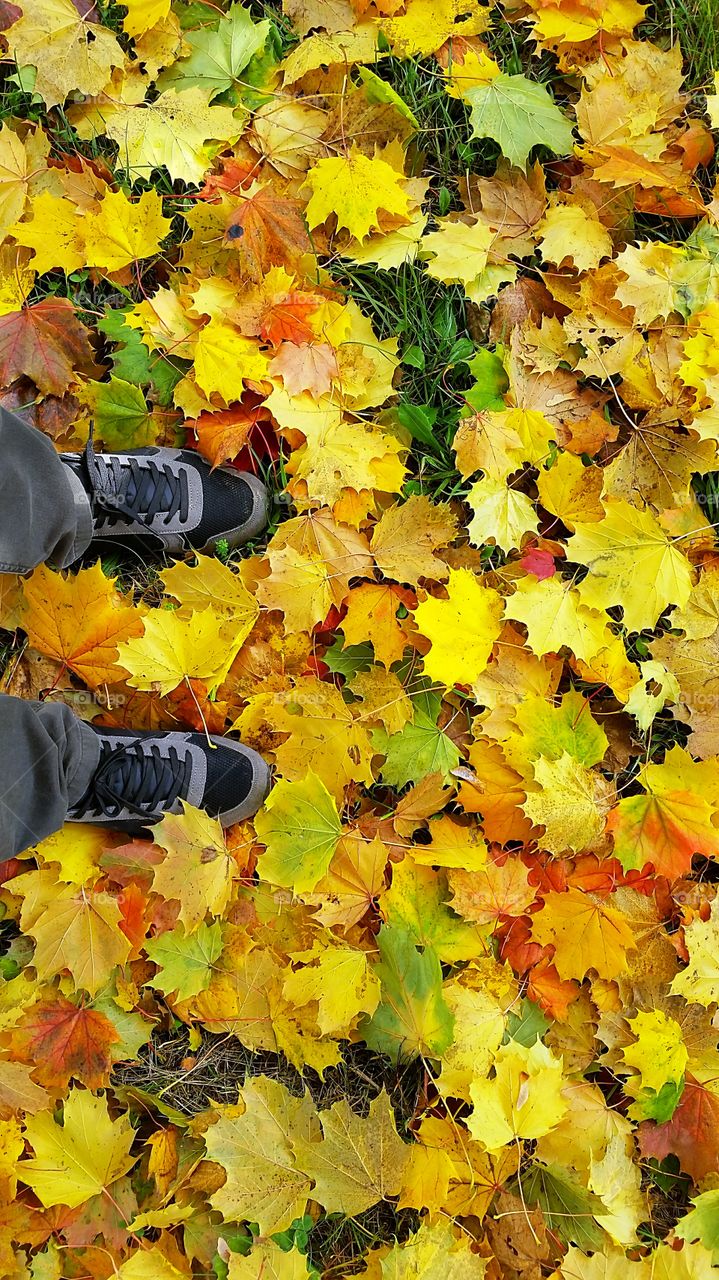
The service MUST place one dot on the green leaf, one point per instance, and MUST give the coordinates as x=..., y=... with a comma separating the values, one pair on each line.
x=300, y=827
x=346, y=660
x=185, y=961
x=567, y=1206
x=412, y=1017
x=461, y=351
x=419, y=420
x=142, y=1101
x=218, y=56
x=378, y=91
x=121, y=415
x=667, y=1175
x=132, y=361
x=660, y=1107
x=527, y=1026
x=518, y=114
x=416, y=902
x=549, y=731
x=196, y=14
x=491, y=381
x=132, y=1028
x=702, y=1222
x=24, y=79
x=418, y=749
x=414, y=356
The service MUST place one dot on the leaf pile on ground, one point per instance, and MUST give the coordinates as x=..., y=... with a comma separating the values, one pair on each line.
x=459, y=307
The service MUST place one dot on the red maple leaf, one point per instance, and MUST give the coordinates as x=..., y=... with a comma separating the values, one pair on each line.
x=63, y=1040
x=46, y=343
x=692, y=1134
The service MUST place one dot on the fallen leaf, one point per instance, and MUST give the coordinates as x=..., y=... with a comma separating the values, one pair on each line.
x=81, y=1158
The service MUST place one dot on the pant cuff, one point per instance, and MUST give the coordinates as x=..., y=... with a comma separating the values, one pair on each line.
x=83, y=521
x=87, y=762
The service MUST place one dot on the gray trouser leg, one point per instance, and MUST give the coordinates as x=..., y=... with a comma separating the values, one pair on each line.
x=44, y=510
x=47, y=756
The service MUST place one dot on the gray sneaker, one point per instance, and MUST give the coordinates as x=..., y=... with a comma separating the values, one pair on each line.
x=142, y=775
x=171, y=498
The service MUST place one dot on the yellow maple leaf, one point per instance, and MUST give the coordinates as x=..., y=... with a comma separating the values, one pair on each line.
x=434, y=1253
x=256, y=1149
x=312, y=560
x=267, y=1261
x=488, y=442
x=76, y=848
x=500, y=514
x=522, y=1100
x=22, y=165
x=170, y=649
x=75, y=928
x=659, y=1052
x=699, y=981
x=366, y=366
x=653, y=276
x=457, y=251
x=700, y=368
x=172, y=1214
x=209, y=582
x=391, y=250
x=353, y=881
x=300, y=828
x=79, y=620
x=359, y=1161
x=372, y=615
x=583, y=21
x=355, y=188
x=407, y=537
x=163, y=322
x=67, y=52
x=567, y=231
x=479, y=1027
x=289, y=131
x=148, y=1264
x=452, y=846
x=473, y=612
x=197, y=868
x=586, y=933
x=330, y=48
x=225, y=359
x=12, y=1145
x=346, y=455
x=56, y=234
x=426, y=24
x=176, y=131
x=475, y=68
x=300, y=585
x=571, y=491
x=631, y=563
x=121, y=232
x=340, y=980
x=80, y=1158
x=17, y=277
x=568, y=806
x=143, y=14
x=651, y=693
x=18, y=1091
